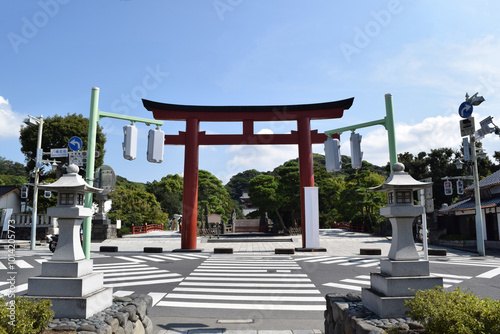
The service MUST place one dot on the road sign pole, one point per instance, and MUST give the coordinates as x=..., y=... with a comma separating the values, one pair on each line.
x=477, y=198
x=93, y=119
x=34, y=215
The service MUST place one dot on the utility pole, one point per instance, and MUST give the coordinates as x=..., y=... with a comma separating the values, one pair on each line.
x=95, y=116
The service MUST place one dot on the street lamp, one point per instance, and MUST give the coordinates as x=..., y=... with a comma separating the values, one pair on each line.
x=39, y=154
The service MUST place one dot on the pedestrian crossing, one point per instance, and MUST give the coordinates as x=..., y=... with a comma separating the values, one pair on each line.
x=246, y=283
x=130, y=274
x=340, y=260
x=162, y=257
x=25, y=264
x=363, y=281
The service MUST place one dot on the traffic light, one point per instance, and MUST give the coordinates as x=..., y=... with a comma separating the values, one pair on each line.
x=448, y=188
x=332, y=155
x=356, y=154
x=130, y=142
x=460, y=187
x=156, y=142
x=24, y=192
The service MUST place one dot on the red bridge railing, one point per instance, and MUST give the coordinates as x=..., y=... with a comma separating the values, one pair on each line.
x=351, y=227
x=147, y=228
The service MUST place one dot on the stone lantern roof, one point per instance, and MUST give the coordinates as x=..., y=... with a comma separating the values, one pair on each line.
x=399, y=179
x=70, y=181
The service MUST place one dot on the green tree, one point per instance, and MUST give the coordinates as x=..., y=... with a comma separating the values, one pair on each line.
x=168, y=192
x=263, y=192
x=357, y=202
x=8, y=167
x=288, y=191
x=135, y=207
x=329, y=188
x=12, y=180
x=12, y=173
x=57, y=130
x=212, y=197
x=239, y=183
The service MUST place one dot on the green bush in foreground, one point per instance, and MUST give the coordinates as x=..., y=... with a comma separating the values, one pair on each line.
x=454, y=312
x=24, y=315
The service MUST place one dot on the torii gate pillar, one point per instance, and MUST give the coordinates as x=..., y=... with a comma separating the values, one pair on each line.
x=305, y=167
x=190, y=190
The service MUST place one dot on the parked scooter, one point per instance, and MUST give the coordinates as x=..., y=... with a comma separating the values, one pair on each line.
x=53, y=241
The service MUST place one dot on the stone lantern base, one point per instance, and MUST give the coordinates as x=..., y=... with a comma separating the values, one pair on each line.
x=74, y=290
x=397, y=282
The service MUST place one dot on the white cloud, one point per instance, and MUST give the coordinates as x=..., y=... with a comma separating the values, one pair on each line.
x=431, y=133
x=445, y=67
x=10, y=122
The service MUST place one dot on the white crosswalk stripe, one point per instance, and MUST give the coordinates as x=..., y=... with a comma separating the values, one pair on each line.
x=361, y=281
x=162, y=257
x=340, y=260
x=134, y=274
x=268, y=283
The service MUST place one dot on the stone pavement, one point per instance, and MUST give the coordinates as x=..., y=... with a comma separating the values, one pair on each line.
x=337, y=242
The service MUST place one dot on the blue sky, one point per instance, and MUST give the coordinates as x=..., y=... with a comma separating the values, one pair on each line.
x=428, y=54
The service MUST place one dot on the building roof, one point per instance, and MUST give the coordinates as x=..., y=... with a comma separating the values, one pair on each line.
x=470, y=204
x=487, y=182
x=4, y=190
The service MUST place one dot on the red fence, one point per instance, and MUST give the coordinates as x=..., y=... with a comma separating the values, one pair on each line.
x=351, y=227
x=147, y=228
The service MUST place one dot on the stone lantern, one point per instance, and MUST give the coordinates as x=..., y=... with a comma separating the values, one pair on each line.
x=68, y=279
x=403, y=273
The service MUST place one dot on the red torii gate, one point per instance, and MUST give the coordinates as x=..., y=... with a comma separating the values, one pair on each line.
x=192, y=138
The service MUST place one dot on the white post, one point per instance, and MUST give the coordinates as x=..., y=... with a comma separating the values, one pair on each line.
x=312, y=217
x=35, y=188
x=424, y=225
x=477, y=197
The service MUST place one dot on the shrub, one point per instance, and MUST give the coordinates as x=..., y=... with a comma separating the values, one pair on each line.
x=24, y=315
x=454, y=312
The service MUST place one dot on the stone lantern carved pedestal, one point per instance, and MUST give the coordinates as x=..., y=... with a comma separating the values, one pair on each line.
x=403, y=273
x=68, y=279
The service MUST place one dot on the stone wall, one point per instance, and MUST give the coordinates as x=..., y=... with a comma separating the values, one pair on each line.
x=345, y=314
x=127, y=315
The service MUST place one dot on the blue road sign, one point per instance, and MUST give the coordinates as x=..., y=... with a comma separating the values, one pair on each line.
x=465, y=109
x=75, y=143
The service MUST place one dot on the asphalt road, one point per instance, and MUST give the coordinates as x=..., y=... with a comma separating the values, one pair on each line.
x=196, y=290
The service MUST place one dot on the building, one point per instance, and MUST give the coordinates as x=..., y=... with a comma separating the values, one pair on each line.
x=10, y=198
x=459, y=217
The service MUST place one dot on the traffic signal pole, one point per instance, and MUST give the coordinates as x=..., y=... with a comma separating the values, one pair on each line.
x=95, y=116
x=387, y=122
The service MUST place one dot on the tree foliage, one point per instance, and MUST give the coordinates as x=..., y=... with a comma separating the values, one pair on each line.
x=263, y=191
x=168, y=192
x=12, y=173
x=356, y=202
x=135, y=207
x=238, y=183
x=212, y=197
x=56, y=133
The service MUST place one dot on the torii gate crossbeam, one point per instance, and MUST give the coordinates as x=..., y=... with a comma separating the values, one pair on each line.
x=192, y=138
